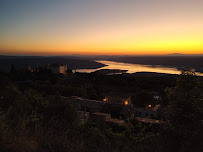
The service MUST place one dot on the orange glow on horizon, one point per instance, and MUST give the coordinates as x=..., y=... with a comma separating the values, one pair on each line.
x=11, y=52
x=130, y=45
x=102, y=28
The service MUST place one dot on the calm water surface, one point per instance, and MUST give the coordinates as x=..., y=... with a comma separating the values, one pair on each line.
x=133, y=68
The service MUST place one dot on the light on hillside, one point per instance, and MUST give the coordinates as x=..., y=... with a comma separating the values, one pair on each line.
x=126, y=102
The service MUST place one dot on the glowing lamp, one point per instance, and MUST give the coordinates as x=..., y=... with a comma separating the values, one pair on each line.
x=104, y=99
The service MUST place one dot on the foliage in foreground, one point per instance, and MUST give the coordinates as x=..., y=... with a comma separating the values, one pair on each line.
x=29, y=122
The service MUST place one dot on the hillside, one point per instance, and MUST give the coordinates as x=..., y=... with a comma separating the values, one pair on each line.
x=20, y=62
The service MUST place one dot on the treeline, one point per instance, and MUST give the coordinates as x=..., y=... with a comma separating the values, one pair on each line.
x=91, y=86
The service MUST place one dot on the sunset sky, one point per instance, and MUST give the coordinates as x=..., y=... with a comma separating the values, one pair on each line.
x=111, y=27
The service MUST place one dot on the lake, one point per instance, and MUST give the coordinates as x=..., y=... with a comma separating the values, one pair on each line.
x=133, y=68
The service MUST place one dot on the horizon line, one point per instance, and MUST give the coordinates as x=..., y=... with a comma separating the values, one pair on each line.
x=172, y=54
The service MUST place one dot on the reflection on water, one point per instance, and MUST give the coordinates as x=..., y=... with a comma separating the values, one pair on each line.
x=133, y=68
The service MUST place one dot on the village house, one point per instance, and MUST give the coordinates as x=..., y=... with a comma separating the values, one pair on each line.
x=155, y=112
x=145, y=113
x=77, y=102
x=84, y=104
x=118, y=98
x=105, y=117
x=127, y=111
x=104, y=111
x=93, y=106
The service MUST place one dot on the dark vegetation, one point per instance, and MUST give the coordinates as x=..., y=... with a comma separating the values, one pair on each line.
x=110, y=71
x=30, y=122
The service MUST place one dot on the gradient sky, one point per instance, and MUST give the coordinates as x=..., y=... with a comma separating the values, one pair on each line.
x=130, y=27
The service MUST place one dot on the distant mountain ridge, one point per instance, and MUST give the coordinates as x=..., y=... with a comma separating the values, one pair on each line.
x=179, y=54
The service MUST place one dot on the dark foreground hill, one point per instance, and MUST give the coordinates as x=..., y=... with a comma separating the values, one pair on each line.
x=20, y=62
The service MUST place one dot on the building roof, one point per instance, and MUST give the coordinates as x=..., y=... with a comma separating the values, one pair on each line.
x=85, y=103
x=148, y=120
x=113, y=120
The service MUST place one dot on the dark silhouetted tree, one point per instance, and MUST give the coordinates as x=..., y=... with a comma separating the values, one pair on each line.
x=13, y=70
x=185, y=111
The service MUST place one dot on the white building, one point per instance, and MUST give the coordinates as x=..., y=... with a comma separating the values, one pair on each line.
x=58, y=68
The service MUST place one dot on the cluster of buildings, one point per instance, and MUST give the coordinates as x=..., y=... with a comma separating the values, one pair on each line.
x=114, y=108
x=55, y=68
